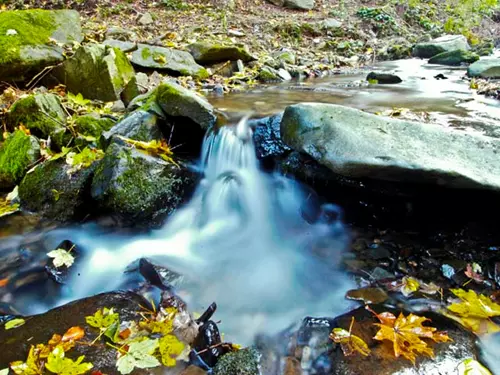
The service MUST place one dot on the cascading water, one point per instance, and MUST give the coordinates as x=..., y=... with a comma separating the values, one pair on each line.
x=241, y=241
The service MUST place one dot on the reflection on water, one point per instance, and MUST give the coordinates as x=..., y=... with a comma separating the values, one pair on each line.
x=450, y=100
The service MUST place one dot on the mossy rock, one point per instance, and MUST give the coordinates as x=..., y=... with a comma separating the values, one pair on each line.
x=268, y=75
x=209, y=53
x=17, y=154
x=169, y=60
x=139, y=125
x=137, y=188
x=43, y=115
x=287, y=57
x=242, y=362
x=436, y=46
x=454, y=58
x=97, y=72
x=54, y=193
x=485, y=68
x=93, y=125
x=177, y=101
x=25, y=40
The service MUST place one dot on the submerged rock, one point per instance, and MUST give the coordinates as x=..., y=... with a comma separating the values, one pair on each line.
x=383, y=78
x=267, y=137
x=97, y=72
x=356, y=144
x=29, y=48
x=177, y=101
x=55, y=192
x=43, y=115
x=381, y=361
x=242, y=362
x=208, y=53
x=485, y=68
x=18, y=153
x=168, y=59
x=136, y=187
x=139, y=125
x=442, y=44
x=454, y=58
x=15, y=343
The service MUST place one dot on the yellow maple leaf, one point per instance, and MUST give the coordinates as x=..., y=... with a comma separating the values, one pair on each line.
x=349, y=343
x=406, y=334
x=474, y=311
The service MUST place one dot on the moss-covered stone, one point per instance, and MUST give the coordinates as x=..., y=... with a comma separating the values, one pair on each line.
x=43, y=115
x=93, y=125
x=242, y=362
x=445, y=43
x=25, y=40
x=136, y=187
x=17, y=154
x=54, y=193
x=97, y=72
x=209, y=53
x=454, y=58
x=169, y=60
x=268, y=74
x=177, y=101
x=287, y=57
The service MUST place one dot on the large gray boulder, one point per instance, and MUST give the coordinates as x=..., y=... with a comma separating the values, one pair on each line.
x=177, y=101
x=167, y=59
x=356, y=144
x=32, y=39
x=209, y=53
x=97, y=72
x=137, y=187
x=445, y=43
x=485, y=68
x=294, y=4
x=454, y=58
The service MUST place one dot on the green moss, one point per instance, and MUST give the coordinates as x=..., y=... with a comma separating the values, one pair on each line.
x=33, y=27
x=266, y=75
x=202, y=74
x=17, y=154
x=91, y=125
x=146, y=53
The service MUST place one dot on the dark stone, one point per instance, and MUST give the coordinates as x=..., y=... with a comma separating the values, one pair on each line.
x=383, y=78
x=267, y=137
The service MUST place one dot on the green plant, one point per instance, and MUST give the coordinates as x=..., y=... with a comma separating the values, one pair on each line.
x=175, y=4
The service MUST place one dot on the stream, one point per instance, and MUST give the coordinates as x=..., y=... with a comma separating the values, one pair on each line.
x=241, y=240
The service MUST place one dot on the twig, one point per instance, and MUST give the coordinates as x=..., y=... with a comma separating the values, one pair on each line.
x=39, y=76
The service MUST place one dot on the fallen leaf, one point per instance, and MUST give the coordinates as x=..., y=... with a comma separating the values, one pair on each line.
x=103, y=318
x=472, y=367
x=58, y=364
x=4, y=371
x=139, y=355
x=73, y=334
x=61, y=258
x=409, y=286
x=14, y=323
x=350, y=344
x=473, y=272
x=4, y=282
x=30, y=367
x=170, y=349
x=406, y=333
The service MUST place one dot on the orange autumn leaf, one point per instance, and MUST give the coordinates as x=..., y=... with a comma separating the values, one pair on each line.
x=406, y=334
x=73, y=334
x=125, y=333
x=4, y=282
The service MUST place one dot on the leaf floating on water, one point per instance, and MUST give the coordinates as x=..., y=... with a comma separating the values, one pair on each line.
x=139, y=355
x=58, y=364
x=350, y=344
x=73, y=334
x=14, y=323
x=61, y=258
x=474, y=311
x=472, y=367
x=406, y=334
x=473, y=272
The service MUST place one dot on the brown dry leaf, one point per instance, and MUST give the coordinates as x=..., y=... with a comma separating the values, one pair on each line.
x=406, y=334
x=73, y=334
x=350, y=344
x=473, y=272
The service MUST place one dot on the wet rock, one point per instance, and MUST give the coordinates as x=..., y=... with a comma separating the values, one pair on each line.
x=445, y=43
x=146, y=19
x=177, y=101
x=356, y=144
x=242, y=362
x=368, y=295
x=97, y=72
x=284, y=75
x=287, y=57
x=209, y=337
x=382, y=361
x=18, y=153
x=268, y=75
x=383, y=78
x=93, y=125
x=119, y=33
x=124, y=46
x=138, y=188
x=167, y=59
x=454, y=58
x=294, y=4
x=54, y=192
x=27, y=50
x=208, y=53
x=267, y=137
x=485, y=68
x=43, y=115
x=139, y=125
x=193, y=370
x=15, y=343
